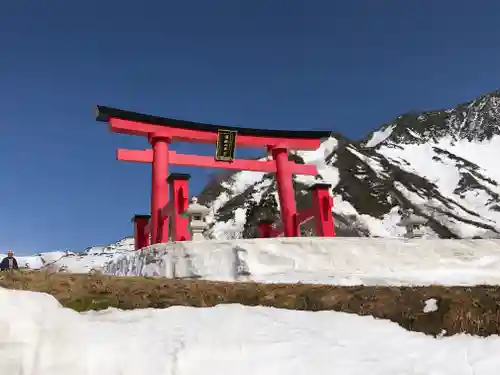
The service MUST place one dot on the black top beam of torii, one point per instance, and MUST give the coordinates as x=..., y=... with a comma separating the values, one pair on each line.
x=104, y=114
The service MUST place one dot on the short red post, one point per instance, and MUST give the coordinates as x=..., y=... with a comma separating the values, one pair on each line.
x=141, y=237
x=179, y=196
x=265, y=228
x=159, y=189
x=286, y=192
x=322, y=205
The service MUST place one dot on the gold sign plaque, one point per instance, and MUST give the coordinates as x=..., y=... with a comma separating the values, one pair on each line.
x=226, y=144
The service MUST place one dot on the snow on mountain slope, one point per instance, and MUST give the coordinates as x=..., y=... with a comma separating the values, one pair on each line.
x=40, y=337
x=472, y=192
x=37, y=261
x=125, y=244
x=379, y=136
x=335, y=261
x=441, y=164
x=92, y=258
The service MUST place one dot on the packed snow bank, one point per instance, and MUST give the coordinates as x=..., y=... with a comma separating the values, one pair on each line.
x=38, y=336
x=340, y=261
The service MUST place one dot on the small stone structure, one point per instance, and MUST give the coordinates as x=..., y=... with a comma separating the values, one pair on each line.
x=197, y=224
x=411, y=222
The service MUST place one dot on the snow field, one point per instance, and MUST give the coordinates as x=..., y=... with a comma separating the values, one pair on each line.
x=38, y=336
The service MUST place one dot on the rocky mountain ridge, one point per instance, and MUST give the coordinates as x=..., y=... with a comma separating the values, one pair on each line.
x=441, y=164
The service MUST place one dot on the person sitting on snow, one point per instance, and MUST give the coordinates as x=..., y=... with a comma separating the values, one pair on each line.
x=9, y=262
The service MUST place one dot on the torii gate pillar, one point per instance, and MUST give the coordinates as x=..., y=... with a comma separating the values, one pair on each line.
x=284, y=182
x=159, y=189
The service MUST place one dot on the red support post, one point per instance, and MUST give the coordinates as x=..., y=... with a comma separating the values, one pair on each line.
x=286, y=193
x=322, y=206
x=141, y=235
x=159, y=189
x=265, y=228
x=179, y=196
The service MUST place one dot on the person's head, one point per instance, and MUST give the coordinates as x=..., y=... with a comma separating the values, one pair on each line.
x=10, y=254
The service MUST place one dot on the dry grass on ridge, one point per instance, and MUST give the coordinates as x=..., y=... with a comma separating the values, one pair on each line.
x=473, y=310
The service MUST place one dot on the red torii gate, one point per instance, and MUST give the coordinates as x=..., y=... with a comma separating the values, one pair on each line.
x=162, y=131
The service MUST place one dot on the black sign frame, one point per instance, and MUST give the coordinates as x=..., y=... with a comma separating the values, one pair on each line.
x=226, y=145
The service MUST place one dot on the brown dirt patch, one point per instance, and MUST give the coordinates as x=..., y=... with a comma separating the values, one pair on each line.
x=473, y=310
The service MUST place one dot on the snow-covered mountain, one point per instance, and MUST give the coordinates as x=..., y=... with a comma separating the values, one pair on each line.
x=441, y=164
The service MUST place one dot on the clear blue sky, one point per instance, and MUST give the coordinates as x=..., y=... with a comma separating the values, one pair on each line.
x=336, y=65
